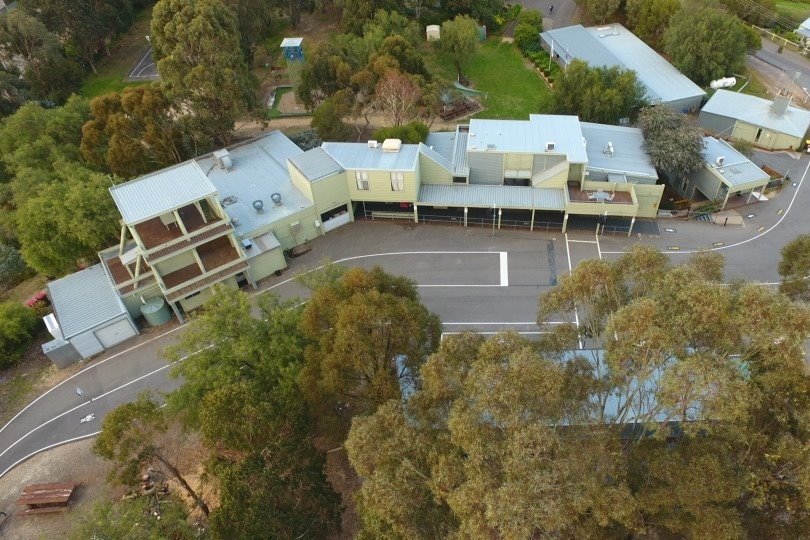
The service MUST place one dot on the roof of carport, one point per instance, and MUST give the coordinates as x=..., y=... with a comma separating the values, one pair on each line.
x=483, y=196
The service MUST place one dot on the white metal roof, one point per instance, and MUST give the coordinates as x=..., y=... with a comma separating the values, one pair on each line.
x=615, y=45
x=736, y=169
x=259, y=170
x=628, y=156
x=291, y=42
x=529, y=136
x=315, y=164
x=161, y=191
x=757, y=111
x=360, y=156
x=804, y=28
x=486, y=196
x=84, y=300
x=435, y=156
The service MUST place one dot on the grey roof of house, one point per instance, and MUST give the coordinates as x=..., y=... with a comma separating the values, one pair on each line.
x=629, y=156
x=259, y=170
x=615, y=45
x=291, y=42
x=162, y=191
x=757, y=111
x=804, y=28
x=435, y=156
x=452, y=146
x=529, y=136
x=359, y=156
x=315, y=164
x=84, y=300
x=486, y=196
x=736, y=169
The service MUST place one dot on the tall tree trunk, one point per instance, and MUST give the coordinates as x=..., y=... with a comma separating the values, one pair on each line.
x=179, y=478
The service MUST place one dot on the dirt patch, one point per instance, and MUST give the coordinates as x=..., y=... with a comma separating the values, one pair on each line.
x=69, y=463
x=345, y=482
x=289, y=104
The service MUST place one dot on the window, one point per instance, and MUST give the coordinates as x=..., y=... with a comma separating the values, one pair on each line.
x=361, y=177
x=397, y=181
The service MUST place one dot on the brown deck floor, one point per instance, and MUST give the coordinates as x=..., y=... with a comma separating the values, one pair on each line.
x=213, y=254
x=119, y=273
x=153, y=232
x=619, y=197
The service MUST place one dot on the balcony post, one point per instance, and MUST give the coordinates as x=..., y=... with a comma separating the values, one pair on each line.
x=123, y=239
x=632, y=222
x=531, y=226
x=200, y=210
x=565, y=221
x=198, y=260
x=180, y=222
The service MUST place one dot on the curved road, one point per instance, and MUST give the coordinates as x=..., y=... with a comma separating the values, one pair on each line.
x=472, y=278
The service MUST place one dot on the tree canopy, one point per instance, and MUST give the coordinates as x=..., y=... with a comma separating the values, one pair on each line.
x=649, y=19
x=202, y=68
x=459, y=40
x=600, y=11
x=599, y=94
x=706, y=42
x=665, y=431
x=794, y=267
x=675, y=147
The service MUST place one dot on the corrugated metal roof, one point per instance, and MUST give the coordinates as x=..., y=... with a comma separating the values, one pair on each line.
x=529, y=136
x=435, y=156
x=260, y=169
x=442, y=143
x=460, y=166
x=736, y=169
x=359, y=156
x=291, y=42
x=757, y=111
x=615, y=45
x=161, y=191
x=483, y=196
x=84, y=300
x=315, y=164
x=629, y=156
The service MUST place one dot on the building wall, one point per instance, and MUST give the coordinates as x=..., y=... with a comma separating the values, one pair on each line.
x=133, y=302
x=197, y=300
x=649, y=199
x=380, y=187
x=300, y=182
x=176, y=262
x=265, y=264
x=767, y=138
x=281, y=228
x=87, y=344
x=685, y=105
x=714, y=123
x=486, y=168
x=431, y=172
x=331, y=192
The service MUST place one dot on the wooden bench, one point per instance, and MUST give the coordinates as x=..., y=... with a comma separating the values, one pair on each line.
x=391, y=215
x=45, y=498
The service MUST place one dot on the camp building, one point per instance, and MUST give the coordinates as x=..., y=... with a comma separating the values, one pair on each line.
x=232, y=216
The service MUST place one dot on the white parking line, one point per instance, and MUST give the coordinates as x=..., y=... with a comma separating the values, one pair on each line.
x=504, y=270
x=146, y=54
x=505, y=323
x=570, y=271
x=598, y=248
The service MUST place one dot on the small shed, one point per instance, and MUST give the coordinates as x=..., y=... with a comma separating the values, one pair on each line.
x=44, y=498
x=433, y=32
x=293, y=48
x=88, y=315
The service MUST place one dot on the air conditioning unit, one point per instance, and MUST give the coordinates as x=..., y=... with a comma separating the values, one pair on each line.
x=550, y=146
x=373, y=144
x=247, y=244
x=719, y=161
x=295, y=227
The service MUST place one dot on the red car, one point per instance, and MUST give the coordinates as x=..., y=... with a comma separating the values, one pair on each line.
x=38, y=298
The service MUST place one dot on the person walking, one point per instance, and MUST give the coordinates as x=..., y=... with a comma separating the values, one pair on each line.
x=551, y=9
x=79, y=392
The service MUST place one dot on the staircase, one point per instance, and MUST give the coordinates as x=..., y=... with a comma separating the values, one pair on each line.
x=554, y=170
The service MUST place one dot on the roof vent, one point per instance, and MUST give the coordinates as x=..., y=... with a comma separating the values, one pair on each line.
x=258, y=205
x=550, y=146
x=235, y=221
x=391, y=145
x=223, y=159
x=780, y=104
x=608, y=151
x=373, y=144
x=491, y=147
x=719, y=161
x=276, y=198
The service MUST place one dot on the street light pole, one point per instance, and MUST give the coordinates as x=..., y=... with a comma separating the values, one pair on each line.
x=493, y=220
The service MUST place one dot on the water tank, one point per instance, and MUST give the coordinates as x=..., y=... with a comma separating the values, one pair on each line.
x=156, y=311
x=726, y=82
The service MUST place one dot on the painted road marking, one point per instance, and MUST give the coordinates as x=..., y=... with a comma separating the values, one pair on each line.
x=570, y=271
x=598, y=248
x=718, y=244
x=504, y=269
x=670, y=229
x=674, y=248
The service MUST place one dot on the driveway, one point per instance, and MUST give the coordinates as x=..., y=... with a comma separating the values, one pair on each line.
x=782, y=69
x=563, y=14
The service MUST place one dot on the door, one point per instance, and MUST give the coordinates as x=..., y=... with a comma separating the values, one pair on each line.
x=115, y=333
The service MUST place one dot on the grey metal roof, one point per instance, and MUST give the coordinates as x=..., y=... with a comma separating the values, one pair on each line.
x=615, y=45
x=804, y=28
x=259, y=170
x=452, y=146
x=435, y=156
x=84, y=300
x=736, y=169
x=757, y=111
x=162, y=191
x=262, y=244
x=460, y=165
x=442, y=143
x=529, y=136
x=315, y=164
x=359, y=156
x=629, y=156
x=485, y=196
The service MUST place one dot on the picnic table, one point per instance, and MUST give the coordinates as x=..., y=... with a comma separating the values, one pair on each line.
x=43, y=498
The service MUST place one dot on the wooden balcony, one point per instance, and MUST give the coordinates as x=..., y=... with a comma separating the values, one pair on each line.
x=182, y=243
x=214, y=255
x=124, y=282
x=209, y=278
x=154, y=233
x=599, y=196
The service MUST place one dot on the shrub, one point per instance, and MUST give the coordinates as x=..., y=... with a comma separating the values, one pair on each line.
x=18, y=324
x=307, y=139
x=13, y=269
x=412, y=132
x=527, y=38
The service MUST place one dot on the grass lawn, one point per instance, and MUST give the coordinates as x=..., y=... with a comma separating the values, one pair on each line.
x=514, y=90
x=125, y=52
x=798, y=11
x=755, y=86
